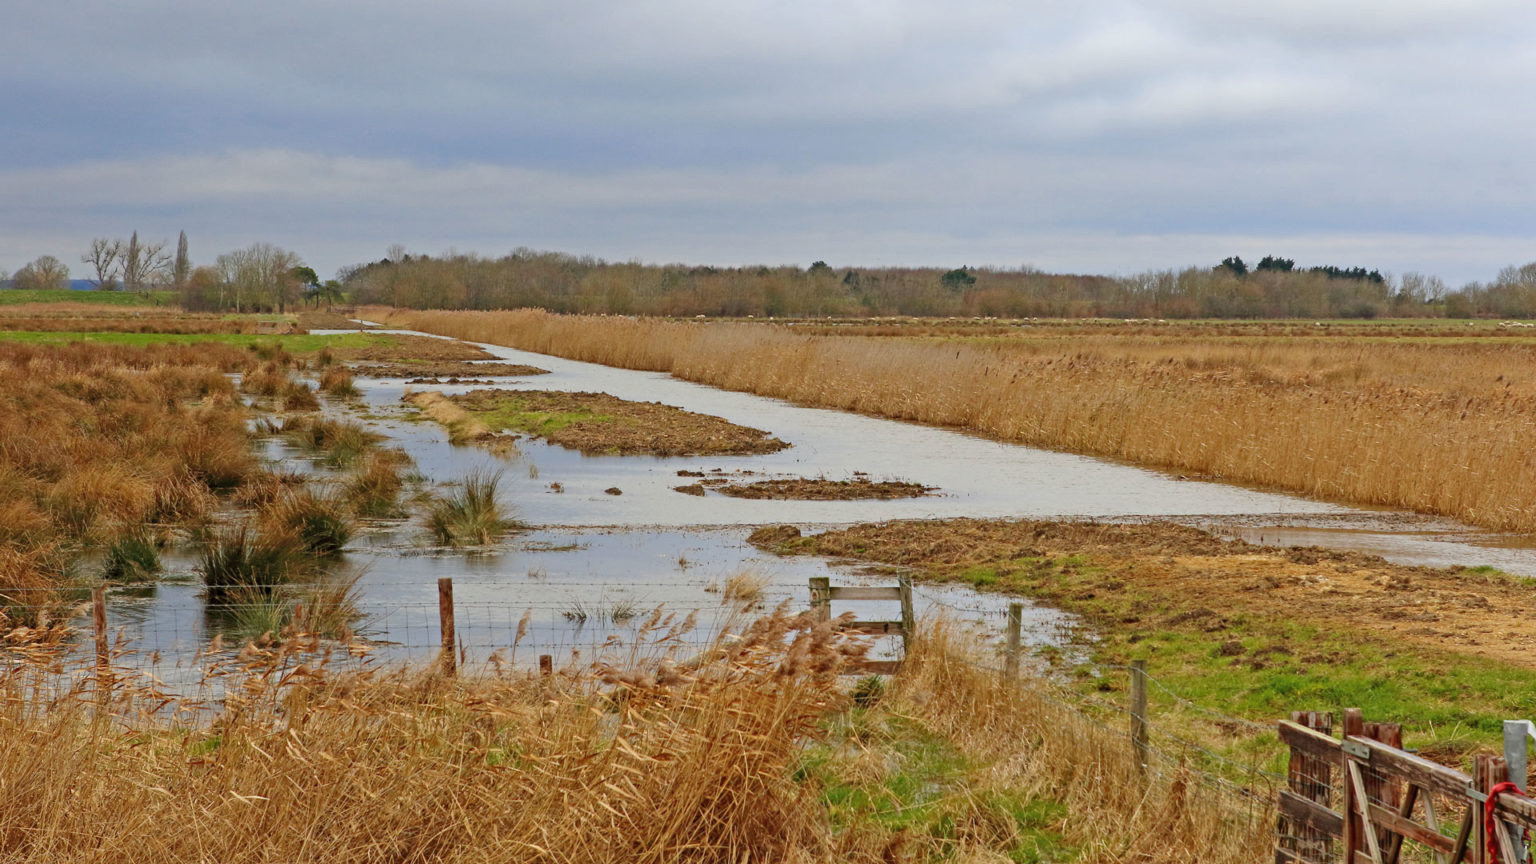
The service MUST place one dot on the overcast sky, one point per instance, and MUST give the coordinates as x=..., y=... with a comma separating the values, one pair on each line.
x=1108, y=137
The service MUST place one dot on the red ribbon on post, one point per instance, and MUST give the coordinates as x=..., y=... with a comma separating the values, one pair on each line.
x=1490, y=823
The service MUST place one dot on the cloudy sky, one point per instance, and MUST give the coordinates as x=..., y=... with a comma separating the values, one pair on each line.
x=1108, y=137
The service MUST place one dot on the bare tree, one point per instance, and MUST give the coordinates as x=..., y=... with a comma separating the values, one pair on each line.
x=183, y=266
x=47, y=273
x=143, y=263
x=103, y=258
x=260, y=274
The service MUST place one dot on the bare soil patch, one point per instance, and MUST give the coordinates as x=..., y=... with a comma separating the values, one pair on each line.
x=597, y=423
x=1178, y=575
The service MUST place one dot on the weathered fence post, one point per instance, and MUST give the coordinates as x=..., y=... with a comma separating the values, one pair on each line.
x=1139, y=712
x=1011, y=658
x=1354, y=725
x=821, y=598
x=546, y=665
x=1381, y=790
x=450, y=652
x=908, y=618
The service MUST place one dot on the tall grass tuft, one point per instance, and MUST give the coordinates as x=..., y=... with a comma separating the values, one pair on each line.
x=319, y=523
x=469, y=515
x=373, y=490
x=340, y=442
x=337, y=381
x=239, y=565
x=133, y=557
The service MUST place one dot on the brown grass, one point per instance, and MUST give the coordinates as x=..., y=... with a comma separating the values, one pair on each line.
x=95, y=439
x=1434, y=425
x=631, y=762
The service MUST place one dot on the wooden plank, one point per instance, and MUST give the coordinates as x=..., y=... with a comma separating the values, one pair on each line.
x=1517, y=809
x=1392, y=821
x=1362, y=807
x=1417, y=770
x=1464, y=836
x=1394, y=841
x=862, y=593
x=1314, y=744
x=1310, y=814
x=874, y=628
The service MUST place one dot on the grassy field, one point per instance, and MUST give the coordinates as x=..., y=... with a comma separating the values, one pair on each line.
x=1427, y=423
x=106, y=298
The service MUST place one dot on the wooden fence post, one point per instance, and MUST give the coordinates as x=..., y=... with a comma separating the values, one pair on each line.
x=445, y=622
x=546, y=665
x=908, y=618
x=821, y=598
x=1139, y=712
x=1011, y=658
x=1354, y=725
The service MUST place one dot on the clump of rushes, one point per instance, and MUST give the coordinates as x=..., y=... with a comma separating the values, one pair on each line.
x=318, y=523
x=337, y=381
x=469, y=515
x=323, y=358
x=239, y=565
x=265, y=380
x=133, y=557
x=298, y=397
x=374, y=490
x=272, y=352
x=341, y=441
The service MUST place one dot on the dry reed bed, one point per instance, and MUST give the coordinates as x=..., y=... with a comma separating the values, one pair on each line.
x=96, y=440
x=640, y=761
x=1437, y=428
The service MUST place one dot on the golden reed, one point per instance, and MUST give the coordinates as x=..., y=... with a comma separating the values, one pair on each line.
x=1437, y=426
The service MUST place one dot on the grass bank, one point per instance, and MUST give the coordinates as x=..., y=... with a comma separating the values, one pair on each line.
x=1321, y=417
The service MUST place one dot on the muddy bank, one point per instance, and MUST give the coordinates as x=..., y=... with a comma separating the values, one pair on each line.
x=817, y=489
x=1157, y=576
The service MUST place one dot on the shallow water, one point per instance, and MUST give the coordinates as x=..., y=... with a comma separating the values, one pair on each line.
x=593, y=554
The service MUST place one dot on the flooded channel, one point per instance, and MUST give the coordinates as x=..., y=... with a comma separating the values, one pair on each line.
x=594, y=566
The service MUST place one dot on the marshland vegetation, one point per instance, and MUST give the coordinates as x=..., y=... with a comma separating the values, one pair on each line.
x=757, y=754
x=1433, y=425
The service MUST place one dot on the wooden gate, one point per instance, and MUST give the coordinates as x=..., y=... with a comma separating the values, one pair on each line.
x=1362, y=798
x=822, y=595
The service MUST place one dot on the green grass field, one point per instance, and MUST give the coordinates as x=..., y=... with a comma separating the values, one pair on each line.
x=14, y=297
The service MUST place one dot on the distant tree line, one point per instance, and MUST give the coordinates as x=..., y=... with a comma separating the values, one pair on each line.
x=1274, y=288
x=259, y=278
